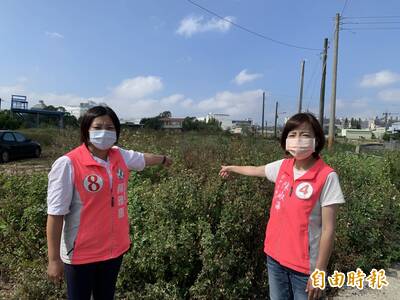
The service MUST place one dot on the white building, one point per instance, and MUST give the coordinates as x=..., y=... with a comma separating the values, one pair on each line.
x=379, y=132
x=356, y=134
x=79, y=111
x=224, y=119
x=395, y=127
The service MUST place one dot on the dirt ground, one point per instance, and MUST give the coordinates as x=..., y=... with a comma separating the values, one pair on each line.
x=390, y=292
x=31, y=165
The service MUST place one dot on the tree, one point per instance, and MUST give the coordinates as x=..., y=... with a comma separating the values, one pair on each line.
x=358, y=123
x=70, y=120
x=165, y=114
x=353, y=123
x=346, y=123
x=190, y=123
x=50, y=107
x=7, y=122
x=151, y=123
x=214, y=125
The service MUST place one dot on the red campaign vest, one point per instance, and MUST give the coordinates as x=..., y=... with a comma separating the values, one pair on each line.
x=287, y=233
x=103, y=223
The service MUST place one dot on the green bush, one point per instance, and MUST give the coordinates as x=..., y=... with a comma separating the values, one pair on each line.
x=368, y=227
x=7, y=122
x=196, y=236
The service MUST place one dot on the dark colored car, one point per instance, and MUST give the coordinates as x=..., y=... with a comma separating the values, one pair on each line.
x=15, y=145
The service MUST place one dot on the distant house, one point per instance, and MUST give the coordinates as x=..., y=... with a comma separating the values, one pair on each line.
x=355, y=134
x=242, y=123
x=134, y=123
x=172, y=123
x=395, y=128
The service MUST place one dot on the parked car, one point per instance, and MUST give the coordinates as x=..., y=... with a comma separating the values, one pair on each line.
x=15, y=145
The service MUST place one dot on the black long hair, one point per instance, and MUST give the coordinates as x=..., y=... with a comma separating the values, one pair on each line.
x=93, y=113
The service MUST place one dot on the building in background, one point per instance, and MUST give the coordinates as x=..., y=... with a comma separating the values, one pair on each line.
x=224, y=119
x=379, y=132
x=356, y=134
x=82, y=108
x=172, y=123
x=395, y=128
x=242, y=123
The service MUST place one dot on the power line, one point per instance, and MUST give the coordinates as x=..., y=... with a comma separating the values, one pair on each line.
x=251, y=31
x=313, y=87
x=284, y=96
x=311, y=79
x=369, y=23
x=371, y=28
x=344, y=7
x=372, y=17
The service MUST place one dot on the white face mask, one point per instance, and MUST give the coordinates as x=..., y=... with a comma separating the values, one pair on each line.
x=300, y=148
x=102, y=139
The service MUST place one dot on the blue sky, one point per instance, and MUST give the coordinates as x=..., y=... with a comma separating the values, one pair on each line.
x=144, y=57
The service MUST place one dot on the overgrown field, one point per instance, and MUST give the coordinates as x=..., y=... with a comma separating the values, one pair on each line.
x=195, y=235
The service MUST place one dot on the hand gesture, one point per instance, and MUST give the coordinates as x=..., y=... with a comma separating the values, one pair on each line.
x=225, y=170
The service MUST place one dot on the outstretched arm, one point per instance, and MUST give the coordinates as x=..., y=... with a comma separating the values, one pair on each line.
x=242, y=170
x=154, y=159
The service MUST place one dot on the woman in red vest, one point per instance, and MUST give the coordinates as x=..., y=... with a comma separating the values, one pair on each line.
x=301, y=227
x=87, y=224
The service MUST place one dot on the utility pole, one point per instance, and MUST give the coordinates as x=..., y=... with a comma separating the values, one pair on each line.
x=276, y=118
x=0, y=103
x=301, y=85
x=332, y=116
x=322, y=92
x=262, y=119
x=386, y=118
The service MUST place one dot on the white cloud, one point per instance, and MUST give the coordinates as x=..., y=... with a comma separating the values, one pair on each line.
x=134, y=98
x=56, y=99
x=34, y=97
x=390, y=95
x=196, y=24
x=54, y=35
x=244, y=77
x=353, y=103
x=7, y=90
x=137, y=87
x=363, y=107
x=22, y=79
x=244, y=104
x=382, y=78
x=173, y=99
x=187, y=103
